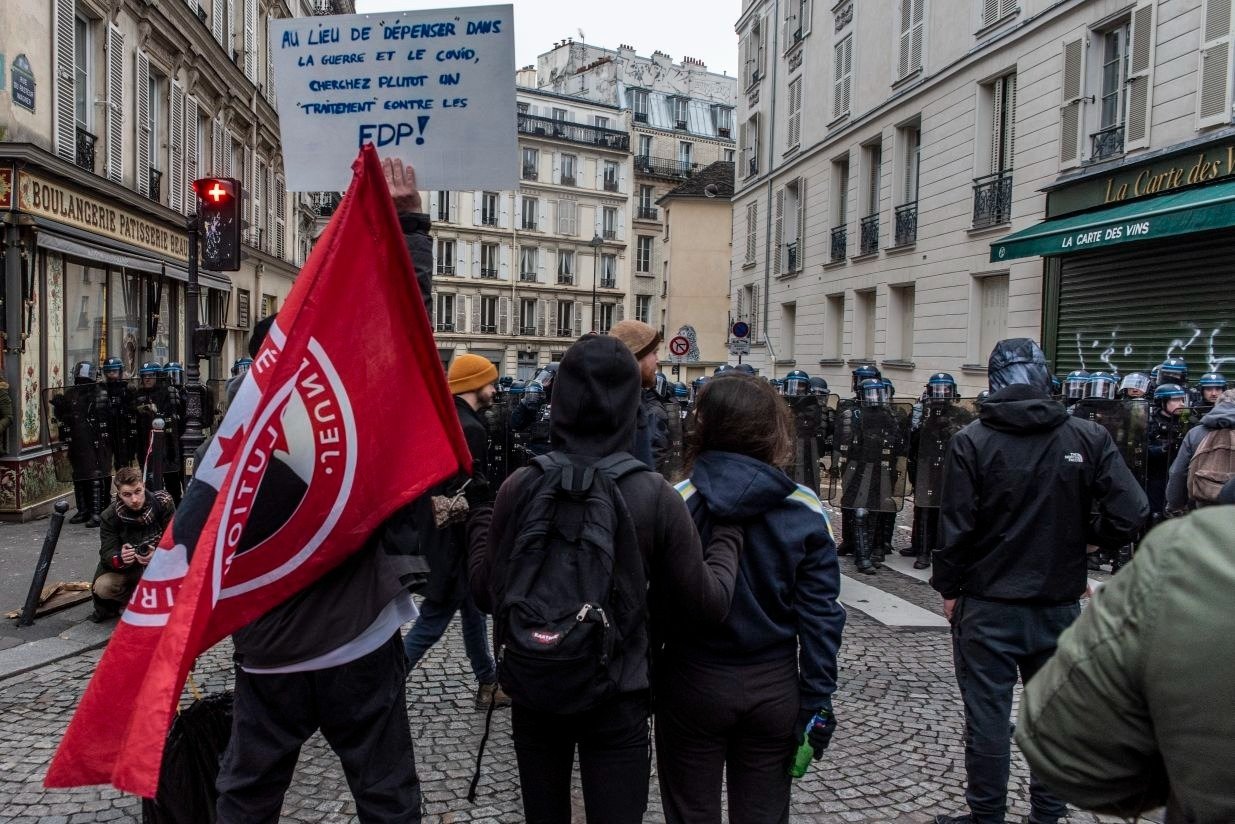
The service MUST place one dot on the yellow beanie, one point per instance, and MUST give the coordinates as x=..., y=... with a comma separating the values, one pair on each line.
x=469, y=372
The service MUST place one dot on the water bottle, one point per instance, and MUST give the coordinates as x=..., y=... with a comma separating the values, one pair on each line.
x=806, y=753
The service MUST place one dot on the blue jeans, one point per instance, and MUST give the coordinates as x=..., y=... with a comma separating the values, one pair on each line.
x=435, y=617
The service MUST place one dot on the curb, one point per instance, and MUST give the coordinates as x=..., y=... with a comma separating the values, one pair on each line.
x=75, y=640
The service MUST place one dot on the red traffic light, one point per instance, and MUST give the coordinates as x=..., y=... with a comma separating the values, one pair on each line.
x=214, y=191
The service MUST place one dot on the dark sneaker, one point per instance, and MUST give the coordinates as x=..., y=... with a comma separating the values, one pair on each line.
x=491, y=693
x=93, y=522
x=79, y=518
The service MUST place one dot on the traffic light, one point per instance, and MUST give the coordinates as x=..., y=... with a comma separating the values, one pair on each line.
x=218, y=204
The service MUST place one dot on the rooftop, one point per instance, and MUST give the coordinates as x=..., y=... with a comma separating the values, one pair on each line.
x=718, y=175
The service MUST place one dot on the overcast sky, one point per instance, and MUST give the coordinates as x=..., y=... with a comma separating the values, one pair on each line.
x=696, y=28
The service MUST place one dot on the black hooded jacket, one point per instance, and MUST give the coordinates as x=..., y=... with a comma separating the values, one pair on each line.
x=1026, y=488
x=595, y=398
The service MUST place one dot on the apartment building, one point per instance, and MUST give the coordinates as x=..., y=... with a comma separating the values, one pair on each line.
x=921, y=180
x=518, y=276
x=110, y=111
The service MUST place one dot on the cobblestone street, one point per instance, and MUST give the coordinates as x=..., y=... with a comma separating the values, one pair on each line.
x=897, y=754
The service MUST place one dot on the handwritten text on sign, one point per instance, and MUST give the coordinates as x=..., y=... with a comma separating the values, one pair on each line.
x=435, y=88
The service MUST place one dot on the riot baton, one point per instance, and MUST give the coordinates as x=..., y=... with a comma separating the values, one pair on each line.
x=40, y=572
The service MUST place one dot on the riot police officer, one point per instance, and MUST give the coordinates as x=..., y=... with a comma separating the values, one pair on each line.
x=121, y=422
x=1074, y=387
x=943, y=414
x=150, y=401
x=1134, y=386
x=83, y=413
x=1168, y=423
x=847, y=416
x=660, y=403
x=1211, y=385
x=530, y=415
x=807, y=419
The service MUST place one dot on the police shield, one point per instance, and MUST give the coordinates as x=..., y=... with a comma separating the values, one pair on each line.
x=812, y=417
x=941, y=418
x=869, y=463
x=1128, y=422
x=78, y=418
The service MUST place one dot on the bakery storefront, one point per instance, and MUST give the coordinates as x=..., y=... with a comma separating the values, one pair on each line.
x=1139, y=263
x=88, y=276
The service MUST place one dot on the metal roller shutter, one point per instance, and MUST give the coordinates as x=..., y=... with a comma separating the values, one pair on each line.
x=1128, y=310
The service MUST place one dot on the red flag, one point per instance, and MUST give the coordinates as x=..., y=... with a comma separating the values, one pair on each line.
x=344, y=417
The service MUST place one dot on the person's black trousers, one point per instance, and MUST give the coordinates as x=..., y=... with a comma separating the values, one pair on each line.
x=991, y=643
x=717, y=719
x=361, y=710
x=615, y=761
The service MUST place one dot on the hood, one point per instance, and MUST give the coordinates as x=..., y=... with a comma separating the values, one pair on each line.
x=595, y=399
x=1022, y=408
x=738, y=486
x=1221, y=416
x=1018, y=360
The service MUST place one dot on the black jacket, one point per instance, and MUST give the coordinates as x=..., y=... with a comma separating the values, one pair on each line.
x=1026, y=488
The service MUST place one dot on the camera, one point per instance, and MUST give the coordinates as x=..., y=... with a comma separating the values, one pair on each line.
x=146, y=547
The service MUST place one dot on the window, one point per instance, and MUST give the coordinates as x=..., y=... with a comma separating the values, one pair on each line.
x=531, y=164
x=797, y=22
x=489, y=254
x=566, y=267
x=559, y=115
x=608, y=271
x=567, y=217
x=611, y=176
x=910, y=140
x=840, y=210
x=795, y=113
x=681, y=110
x=752, y=228
x=722, y=120
x=874, y=162
x=643, y=308
x=685, y=155
x=527, y=316
x=842, y=77
x=995, y=10
x=529, y=263
x=993, y=317
x=156, y=140
x=1114, y=76
x=445, y=257
x=443, y=207
x=864, y=325
x=992, y=199
x=900, y=323
x=645, y=145
x=646, y=211
x=85, y=295
x=728, y=155
x=488, y=208
x=608, y=222
x=753, y=52
x=1002, y=123
x=643, y=255
x=788, y=330
x=834, y=327
x=638, y=104
x=912, y=25
x=602, y=122
x=531, y=213
x=82, y=100
x=750, y=147
x=445, y=315
x=789, y=227
x=565, y=318
x=488, y=314
x=606, y=318
x=569, y=165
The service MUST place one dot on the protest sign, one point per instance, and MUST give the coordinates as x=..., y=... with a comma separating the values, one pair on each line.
x=435, y=88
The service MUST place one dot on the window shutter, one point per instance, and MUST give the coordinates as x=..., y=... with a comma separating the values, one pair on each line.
x=268, y=199
x=142, y=174
x=990, y=11
x=764, y=25
x=1006, y=7
x=229, y=41
x=216, y=21
x=1070, y=120
x=778, y=229
x=433, y=204
x=1214, y=95
x=542, y=307
x=903, y=62
x=913, y=138
x=916, y=35
x=801, y=223
x=619, y=312
x=280, y=217
x=192, y=117
x=66, y=81
x=848, y=70
x=477, y=300
x=247, y=183
x=257, y=233
x=503, y=315
x=557, y=168
x=806, y=4
x=229, y=155
x=435, y=307
x=1140, y=76
x=737, y=303
x=250, y=40
x=460, y=313
x=842, y=66
x=503, y=255
x=477, y=197
x=754, y=312
x=795, y=113
x=175, y=129
x=752, y=212
x=578, y=315
x=115, y=104
x=542, y=214
x=622, y=179
x=269, y=68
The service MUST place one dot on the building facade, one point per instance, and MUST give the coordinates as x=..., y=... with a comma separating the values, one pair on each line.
x=892, y=202
x=110, y=112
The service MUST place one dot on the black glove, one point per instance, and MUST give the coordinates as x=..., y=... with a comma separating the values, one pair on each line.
x=820, y=735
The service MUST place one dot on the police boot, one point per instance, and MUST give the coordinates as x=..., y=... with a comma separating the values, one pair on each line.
x=875, y=526
x=81, y=496
x=1123, y=557
x=96, y=504
x=862, y=539
x=846, y=532
x=886, y=535
x=928, y=524
x=915, y=535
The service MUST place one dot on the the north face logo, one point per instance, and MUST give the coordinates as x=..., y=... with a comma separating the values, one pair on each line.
x=1073, y=457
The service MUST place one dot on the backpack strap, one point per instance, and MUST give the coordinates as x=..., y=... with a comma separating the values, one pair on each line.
x=619, y=465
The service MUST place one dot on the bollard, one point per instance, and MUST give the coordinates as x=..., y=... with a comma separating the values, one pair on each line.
x=40, y=572
x=154, y=456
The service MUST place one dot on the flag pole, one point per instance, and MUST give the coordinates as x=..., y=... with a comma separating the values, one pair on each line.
x=192, y=437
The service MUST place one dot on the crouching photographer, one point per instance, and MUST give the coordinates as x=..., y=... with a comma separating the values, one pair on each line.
x=132, y=526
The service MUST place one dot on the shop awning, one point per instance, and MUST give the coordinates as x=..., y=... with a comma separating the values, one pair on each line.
x=113, y=256
x=1181, y=213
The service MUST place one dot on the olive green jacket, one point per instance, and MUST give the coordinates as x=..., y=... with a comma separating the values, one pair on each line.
x=1136, y=710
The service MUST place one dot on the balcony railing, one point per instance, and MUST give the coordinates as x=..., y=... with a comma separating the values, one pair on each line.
x=488, y=328
x=527, y=277
x=446, y=269
x=753, y=167
x=565, y=280
x=869, y=240
x=647, y=213
x=568, y=180
x=85, y=149
x=527, y=330
x=663, y=167
x=992, y=200
x=608, y=234
x=156, y=184
x=528, y=225
x=608, y=283
x=445, y=327
x=573, y=132
x=1107, y=143
x=488, y=274
x=566, y=331
x=840, y=242
x=641, y=117
x=529, y=172
x=611, y=184
x=906, y=223
x=325, y=203
x=488, y=219
x=791, y=256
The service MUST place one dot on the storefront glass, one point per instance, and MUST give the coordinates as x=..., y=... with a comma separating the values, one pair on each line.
x=85, y=305
x=124, y=325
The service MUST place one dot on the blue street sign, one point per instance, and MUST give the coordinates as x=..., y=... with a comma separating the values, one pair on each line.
x=741, y=329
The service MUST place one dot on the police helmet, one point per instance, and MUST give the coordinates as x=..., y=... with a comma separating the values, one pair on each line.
x=1212, y=380
x=863, y=373
x=534, y=393
x=113, y=365
x=744, y=368
x=680, y=391
x=516, y=388
x=1136, y=382
x=778, y=384
x=873, y=392
x=241, y=365
x=1074, y=385
x=663, y=389
x=891, y=387
x=1168, y=392
x=1056, y=387
x=818, y=386
x=174, y=373
x=505, y=382
x=84, y=372
x=797, y=383
x=1101, y=385
x=1173, y=370
x=941, y=385
x=981, y=398
x=150, y=369
x=722, y=369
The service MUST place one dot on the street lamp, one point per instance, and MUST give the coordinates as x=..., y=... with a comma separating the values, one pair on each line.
x=595, y=244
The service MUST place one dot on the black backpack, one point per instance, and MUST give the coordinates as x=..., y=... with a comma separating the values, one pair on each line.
x=570, y=596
